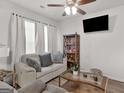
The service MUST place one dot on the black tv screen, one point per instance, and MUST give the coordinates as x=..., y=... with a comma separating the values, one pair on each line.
x=96, y=24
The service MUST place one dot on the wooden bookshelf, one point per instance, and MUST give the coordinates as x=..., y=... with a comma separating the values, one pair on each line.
x=71, y=49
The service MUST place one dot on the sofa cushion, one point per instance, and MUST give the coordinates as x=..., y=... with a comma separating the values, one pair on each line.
x=32, y=56
x=49, y=69
x=57, y=57
x=36, y=87
x=45, y=60
x=34, y=64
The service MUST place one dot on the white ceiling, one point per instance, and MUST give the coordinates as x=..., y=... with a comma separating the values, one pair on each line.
x=56, y=13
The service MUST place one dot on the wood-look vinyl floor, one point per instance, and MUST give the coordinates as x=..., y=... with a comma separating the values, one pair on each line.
x=112, y=87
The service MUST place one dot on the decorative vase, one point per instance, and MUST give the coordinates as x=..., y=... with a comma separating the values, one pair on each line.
x=95, y=78
x=75, y=73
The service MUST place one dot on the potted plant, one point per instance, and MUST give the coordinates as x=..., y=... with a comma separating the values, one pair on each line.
x=75, y=69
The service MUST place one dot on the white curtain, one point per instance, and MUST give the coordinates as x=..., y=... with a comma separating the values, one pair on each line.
x=52, y=39
x=16, y=39
x=20, y=39
x=39, y=38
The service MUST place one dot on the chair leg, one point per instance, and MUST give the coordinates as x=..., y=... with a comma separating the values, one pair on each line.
x=59, y=81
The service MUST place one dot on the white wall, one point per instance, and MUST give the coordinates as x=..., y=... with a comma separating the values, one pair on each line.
x=6, y=9
x=103, y=50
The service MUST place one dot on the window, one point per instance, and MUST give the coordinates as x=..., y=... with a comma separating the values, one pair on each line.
x=46, y=38
x=30, y=36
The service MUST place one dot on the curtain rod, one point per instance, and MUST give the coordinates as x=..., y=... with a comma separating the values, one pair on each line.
x=33, y=19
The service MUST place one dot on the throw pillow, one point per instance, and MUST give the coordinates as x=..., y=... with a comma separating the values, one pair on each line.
x=45, y=60
x=30, y=56
x=57, y=57
x=34, y=64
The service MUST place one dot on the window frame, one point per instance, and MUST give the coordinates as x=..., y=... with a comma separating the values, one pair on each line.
x=46, y=38
x=30, y=21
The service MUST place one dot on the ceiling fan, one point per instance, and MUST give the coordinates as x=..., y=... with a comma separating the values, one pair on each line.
x=71, y=6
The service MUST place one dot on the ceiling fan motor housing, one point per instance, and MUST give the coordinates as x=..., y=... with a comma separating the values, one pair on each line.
x=70, y=2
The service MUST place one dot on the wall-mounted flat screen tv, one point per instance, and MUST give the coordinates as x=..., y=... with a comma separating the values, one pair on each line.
x=100, y=23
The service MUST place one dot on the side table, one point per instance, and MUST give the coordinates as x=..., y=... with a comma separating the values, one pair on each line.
x=3, y=73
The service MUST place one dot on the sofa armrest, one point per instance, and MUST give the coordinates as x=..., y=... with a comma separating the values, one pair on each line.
x=35, y=87
x=25, y=74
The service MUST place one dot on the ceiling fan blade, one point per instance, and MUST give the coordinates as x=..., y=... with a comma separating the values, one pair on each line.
x=74, y=1
x=82, y=2
x=64, y=14
x=81, y=11
x=55, y=5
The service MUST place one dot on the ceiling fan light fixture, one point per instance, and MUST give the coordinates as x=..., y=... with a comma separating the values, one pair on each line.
x=68, y=10
x=74, y=10
x=76, y=4
x=71, y=10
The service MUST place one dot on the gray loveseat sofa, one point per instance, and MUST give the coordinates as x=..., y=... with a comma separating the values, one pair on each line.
x=27, y=74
